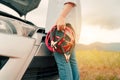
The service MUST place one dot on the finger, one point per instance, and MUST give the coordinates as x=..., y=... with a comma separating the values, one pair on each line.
x=58, y=28
x=62, y=27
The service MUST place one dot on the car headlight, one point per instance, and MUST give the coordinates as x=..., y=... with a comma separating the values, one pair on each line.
x=7, y=27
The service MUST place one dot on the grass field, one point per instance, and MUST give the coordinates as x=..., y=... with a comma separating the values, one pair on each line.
x=98, y=65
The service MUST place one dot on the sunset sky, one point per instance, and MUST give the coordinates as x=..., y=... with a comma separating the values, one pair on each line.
x=100, y=20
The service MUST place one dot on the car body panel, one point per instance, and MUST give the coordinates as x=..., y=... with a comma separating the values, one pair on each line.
x=8, y=45
x=18, y=57
x=23, y=53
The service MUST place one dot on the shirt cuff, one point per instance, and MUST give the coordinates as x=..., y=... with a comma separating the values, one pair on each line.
x=71, y=1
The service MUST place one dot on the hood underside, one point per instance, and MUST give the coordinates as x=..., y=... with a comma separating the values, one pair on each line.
x=21, y=6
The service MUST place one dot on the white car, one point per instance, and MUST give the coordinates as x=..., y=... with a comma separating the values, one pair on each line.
x=23, y=53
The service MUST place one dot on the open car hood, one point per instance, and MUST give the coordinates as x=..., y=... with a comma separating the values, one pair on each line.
x=21, y=6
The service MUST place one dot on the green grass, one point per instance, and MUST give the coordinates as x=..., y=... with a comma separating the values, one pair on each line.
x=98, y=65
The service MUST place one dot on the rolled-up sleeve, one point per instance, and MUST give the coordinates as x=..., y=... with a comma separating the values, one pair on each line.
x=72, y=1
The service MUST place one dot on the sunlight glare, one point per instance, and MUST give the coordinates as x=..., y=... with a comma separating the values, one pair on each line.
x=90, y=34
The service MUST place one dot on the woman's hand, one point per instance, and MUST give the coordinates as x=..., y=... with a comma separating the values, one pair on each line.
x=61, y=19
x=60, y=23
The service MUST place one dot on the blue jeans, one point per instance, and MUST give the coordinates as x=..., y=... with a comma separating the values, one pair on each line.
x=67, y=71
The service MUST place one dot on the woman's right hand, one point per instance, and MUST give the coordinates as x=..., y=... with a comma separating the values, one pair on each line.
x=60, y=23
